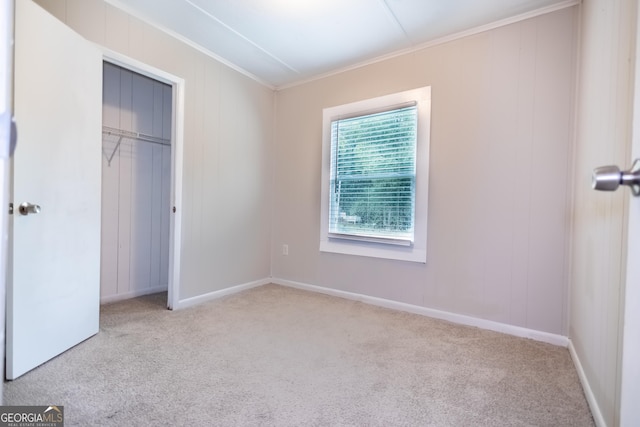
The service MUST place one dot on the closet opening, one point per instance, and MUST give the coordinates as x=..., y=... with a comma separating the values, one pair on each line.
x=138, y=186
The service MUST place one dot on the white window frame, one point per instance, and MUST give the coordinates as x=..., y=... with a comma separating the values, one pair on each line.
x=417, y=250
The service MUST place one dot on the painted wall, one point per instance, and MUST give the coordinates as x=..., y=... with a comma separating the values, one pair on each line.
x=228, y=132
x=498, y=222
x=603, y=136
x=136, y=185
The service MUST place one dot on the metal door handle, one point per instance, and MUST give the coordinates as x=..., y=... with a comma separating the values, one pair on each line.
x=609, y=178
x=28, y=208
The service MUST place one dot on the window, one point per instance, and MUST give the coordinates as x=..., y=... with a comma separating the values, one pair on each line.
x=372, y=176
x=375, y=176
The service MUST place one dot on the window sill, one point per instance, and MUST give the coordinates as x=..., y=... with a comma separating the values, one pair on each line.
x=371, y=239
x=374, y=250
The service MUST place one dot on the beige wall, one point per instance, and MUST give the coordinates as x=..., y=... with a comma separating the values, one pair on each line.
x=603, y=135
x=228, y=131
x=498, y=197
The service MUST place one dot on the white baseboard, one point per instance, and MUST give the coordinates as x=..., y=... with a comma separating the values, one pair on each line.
x=461, y=319
x=132, y=294
x=586, y=387
x=190, y=302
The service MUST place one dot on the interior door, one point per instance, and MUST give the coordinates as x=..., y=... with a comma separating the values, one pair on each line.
x=6, y=113
x=630, y=371
x=53, y=296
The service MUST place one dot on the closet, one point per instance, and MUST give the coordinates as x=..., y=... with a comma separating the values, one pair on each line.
x=136, y=180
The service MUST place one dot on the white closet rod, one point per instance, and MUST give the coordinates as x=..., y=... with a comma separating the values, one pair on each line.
x=106, y=130
x=120, y=133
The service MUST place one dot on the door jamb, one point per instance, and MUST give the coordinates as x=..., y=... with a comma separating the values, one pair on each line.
x=177, y=138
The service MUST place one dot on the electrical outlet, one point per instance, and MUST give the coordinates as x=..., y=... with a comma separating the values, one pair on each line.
x=285, y=249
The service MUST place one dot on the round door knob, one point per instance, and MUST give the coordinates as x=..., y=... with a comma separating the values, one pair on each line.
x=28, y=208
x=609, y=178
x=606, y=178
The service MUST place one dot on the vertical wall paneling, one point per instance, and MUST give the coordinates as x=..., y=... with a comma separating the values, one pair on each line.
x=501, y=135
x=156, y=176
x=124, y=184
x=523, y=150
x=136, y=186
x=141, y=183
x=155, y=223
x=165, y=200
x=165, y=176
x=110, y=186
x=141, y=212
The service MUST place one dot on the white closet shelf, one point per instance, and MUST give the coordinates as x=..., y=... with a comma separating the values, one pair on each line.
x=122, y=134
x=106, y=130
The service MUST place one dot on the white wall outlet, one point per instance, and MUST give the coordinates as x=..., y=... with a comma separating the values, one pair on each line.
x=285, y=249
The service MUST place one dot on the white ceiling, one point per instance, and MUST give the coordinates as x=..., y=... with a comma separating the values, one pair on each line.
x=280, y=42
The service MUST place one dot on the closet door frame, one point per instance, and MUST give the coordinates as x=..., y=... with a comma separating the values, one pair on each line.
x=177, y=137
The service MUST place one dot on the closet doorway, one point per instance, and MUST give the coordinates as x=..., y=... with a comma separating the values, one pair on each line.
x=138, y=181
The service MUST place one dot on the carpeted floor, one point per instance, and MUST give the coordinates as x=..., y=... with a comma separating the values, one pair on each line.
x=274, y=356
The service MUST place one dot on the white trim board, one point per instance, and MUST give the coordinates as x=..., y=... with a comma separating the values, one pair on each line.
x=461, y=319
x=190, y=302
x=586, y=387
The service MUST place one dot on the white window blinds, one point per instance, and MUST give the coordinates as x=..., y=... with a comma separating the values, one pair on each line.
x=373, y=176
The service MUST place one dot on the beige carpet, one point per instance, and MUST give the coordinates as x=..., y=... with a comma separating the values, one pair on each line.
x=276, y=356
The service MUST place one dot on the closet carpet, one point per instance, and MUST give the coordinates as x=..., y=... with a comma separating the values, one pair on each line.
x=275, y=356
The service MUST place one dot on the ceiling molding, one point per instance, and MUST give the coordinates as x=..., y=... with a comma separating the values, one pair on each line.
x=439, y=41
x=129, y=11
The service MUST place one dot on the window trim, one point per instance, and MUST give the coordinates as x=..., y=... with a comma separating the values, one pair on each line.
x=381, y=248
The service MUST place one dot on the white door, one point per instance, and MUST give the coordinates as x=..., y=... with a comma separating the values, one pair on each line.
x=6, y=63
x=630, y=371
x=53, y=297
